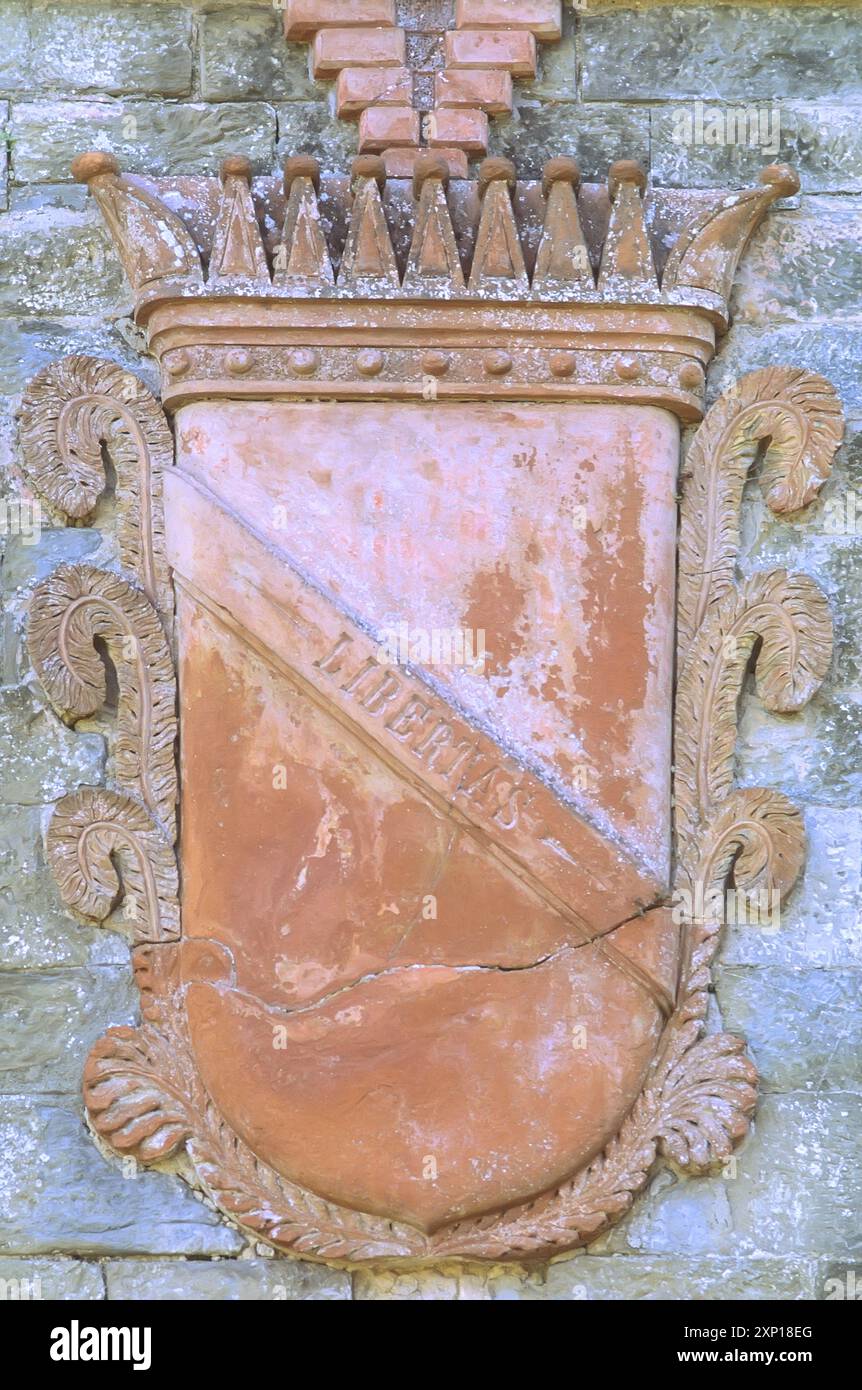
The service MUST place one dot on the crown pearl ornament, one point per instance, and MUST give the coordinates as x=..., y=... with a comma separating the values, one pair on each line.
x=570, y=284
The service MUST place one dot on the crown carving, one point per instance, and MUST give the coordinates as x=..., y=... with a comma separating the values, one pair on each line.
x=310, y=287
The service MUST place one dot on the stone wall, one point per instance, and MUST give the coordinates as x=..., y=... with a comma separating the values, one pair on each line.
x=173, y=87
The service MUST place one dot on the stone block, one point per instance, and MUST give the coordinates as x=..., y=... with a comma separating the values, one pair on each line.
x=28, y=344
x=829, y=348
x=112, y=49
x=58, y=262
x=15, y=70
x=40, y=758
x=152, y=138
x=797, y=1184
x=25, y=562
x=4, y=154
x=740, y=52
x=243, y=54
x=59, y=1195
x=48, y=1281
x=807, y=756
x=447, y=1283
x=35, y=197
x=50, y=1019
x=823, y=143
x=803, y=1027
x=262, y=1280
x=791, y=1188
x=307, y=128
x=535, y=134
x=802, y=263
x=627, y=1277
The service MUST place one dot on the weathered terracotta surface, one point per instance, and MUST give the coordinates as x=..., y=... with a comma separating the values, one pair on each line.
x=352, y=1042
x=410, y=1013
x=549, y=530
x=368, y=294
x=311, y=854
x=427, y=993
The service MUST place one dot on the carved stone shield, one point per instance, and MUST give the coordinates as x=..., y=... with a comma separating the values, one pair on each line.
x=441, y=976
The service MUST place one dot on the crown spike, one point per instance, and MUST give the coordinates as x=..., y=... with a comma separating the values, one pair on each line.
x=368, y=265
x=563, y=258
x=237, y=244
x=497, y=338
x=433, y=265
x=151, y=241
x=498, y=261
x=709, y=247
x=627, y=262
x=302, y=256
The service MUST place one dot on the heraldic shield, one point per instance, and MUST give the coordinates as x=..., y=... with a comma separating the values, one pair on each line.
x=439, y=982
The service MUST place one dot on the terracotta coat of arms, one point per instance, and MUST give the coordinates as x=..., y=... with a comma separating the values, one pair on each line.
x=427, y=667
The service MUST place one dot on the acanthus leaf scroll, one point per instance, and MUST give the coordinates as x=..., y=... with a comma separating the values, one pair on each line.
x=114, y=845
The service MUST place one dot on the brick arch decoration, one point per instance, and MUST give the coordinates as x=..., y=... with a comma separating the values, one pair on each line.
x=434, y=88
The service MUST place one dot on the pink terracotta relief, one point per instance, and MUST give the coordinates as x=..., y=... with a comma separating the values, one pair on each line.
x=427, y=992
x=543, y=536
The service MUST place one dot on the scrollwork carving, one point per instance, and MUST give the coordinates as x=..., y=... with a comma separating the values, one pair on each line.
x=71, y=611
x=794, y=418
x=748, y=839
x=90, y=830
x=73, y=414
x=116, y=843
x=786, y=618
x=782, y=621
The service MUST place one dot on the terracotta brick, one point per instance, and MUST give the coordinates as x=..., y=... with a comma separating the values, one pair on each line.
x=383, y=126
x=490, y=91
x=361, y=87
x=543, y=18
x=335, y=49
x=303, y=18
x=400, y=164
x=467, y=130
x=512, y=50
